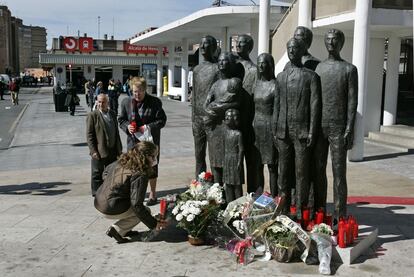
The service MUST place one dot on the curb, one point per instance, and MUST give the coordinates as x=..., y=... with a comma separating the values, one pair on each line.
x=16, y=122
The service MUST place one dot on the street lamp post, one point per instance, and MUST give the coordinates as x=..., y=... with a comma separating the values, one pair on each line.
x=70, y=73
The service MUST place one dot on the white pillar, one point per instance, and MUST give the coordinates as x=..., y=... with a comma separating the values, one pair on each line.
x=305, y=13
x=184, y=70
x=89, y=72
x=171, y=62
x=254, y=28
x=159, y=71
x=264, y=18
x=391, y=80
x=224, y=40
x=117, y=72
x=360, y=60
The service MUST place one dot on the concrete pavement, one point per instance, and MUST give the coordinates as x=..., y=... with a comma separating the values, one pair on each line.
x=49, y=226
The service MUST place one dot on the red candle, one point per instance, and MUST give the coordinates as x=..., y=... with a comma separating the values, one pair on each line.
x=293, y=210
x=134, y=124
x=319, y=216
x=306, y=214
x=354, y=227
x=163, y=208
x=349, y=232
x=341, y=234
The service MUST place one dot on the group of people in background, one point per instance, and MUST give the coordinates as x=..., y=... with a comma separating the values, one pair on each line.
x=93, y=90
x=119, y=181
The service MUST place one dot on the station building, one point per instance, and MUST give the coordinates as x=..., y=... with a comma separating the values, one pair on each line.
x=78, y=59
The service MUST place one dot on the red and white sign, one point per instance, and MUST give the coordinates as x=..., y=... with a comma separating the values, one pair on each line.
x=70, y=44
x=85, y=44
x=138, y=49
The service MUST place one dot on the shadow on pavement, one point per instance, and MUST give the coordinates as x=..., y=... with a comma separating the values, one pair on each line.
x=80, y=144
x=387, y=156
x=35, y=188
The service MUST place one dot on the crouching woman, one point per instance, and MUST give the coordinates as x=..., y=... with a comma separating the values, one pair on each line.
x=122, y=193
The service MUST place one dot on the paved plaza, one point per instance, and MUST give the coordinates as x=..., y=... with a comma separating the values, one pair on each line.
x=49, y=226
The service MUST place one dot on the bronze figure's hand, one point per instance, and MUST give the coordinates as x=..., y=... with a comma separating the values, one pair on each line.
x=309, y=141
x=348, y=140
x=95, y=156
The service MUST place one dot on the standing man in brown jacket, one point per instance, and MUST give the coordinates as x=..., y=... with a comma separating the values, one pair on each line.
x=103, y=139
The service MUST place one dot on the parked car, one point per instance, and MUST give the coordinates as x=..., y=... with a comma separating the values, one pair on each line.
x=28, y=80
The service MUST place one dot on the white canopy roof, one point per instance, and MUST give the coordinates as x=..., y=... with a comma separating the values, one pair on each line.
x=212, y=21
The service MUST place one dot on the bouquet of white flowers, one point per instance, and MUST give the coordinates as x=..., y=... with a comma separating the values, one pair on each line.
x=196, y=207
x=321, y=234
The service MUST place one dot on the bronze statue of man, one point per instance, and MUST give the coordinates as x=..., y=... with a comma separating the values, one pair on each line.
x=204, y=76
x=339, y=83
x=223, y=95
x=255, y=177
x=306, y=35
x=310, y=62
x=297, y=112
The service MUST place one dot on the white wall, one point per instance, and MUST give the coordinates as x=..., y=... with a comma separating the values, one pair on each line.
x=117, y=72
x=374, y=89
x=89, y=75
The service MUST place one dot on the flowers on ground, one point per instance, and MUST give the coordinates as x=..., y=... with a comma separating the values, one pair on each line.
x=322, y=229
x=196, y=207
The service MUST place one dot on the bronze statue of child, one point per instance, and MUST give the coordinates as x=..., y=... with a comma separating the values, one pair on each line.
x=233, y=173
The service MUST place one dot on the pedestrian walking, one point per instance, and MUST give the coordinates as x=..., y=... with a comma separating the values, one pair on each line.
x=14, y=91
x=139, y=113
x=99, y=89
x=113, y=96
x=91, y=94
x=86, y=90
x=103, y=140
x=2, y=89
x=72, y=98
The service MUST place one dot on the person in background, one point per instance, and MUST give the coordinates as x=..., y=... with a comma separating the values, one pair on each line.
x=91, y=94
x=2, y=89
x=99, y=89
x=86, y=89
x=103, y=140
x=14, y=91
x=139, y=113
x=122, y=193
x=74, y=99
x=113, y=96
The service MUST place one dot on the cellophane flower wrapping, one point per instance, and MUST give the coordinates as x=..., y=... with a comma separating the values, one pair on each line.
x=234, y=214
x=321, y=234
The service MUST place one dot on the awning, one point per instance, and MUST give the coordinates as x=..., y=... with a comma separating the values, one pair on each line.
x=212, y=21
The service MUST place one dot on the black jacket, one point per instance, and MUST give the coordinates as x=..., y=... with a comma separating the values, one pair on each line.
x=122, y=190
x=153, y=116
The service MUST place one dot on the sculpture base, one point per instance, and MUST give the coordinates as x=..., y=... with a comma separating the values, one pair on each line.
x=360, y=246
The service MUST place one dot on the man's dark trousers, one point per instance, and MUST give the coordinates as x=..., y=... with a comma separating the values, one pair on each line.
x=98, y=167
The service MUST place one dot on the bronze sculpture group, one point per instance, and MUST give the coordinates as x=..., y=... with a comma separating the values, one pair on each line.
x=245, y=113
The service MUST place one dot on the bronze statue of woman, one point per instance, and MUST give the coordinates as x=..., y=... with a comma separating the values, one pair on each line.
x=223, y=95
x=264, y=91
